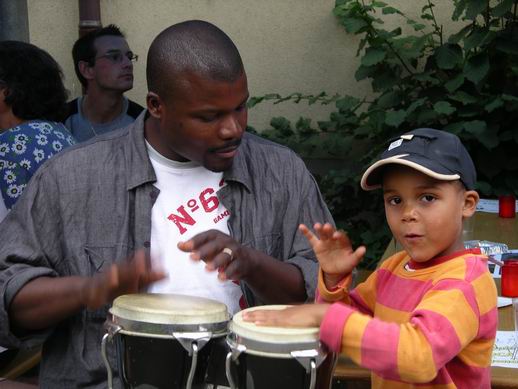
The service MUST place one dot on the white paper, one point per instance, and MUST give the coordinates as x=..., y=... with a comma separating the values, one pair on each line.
x=505, y=350
x=504, y=301
x=490, y=206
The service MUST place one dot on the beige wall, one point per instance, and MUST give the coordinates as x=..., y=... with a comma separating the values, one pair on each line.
x=287, y=45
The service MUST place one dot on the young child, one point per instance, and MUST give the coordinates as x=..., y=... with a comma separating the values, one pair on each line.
x=428, y=315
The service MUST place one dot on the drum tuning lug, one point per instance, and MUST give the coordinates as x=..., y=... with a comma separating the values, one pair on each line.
x=186, y=339
x=304, y=357
x=112, y=329
x=235, y=348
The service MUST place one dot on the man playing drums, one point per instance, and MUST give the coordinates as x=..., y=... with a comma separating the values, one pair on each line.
x=186, y=184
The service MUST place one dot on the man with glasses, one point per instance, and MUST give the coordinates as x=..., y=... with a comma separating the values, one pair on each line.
x=103, y=63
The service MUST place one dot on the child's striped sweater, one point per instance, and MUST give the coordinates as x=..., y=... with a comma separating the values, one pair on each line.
x=428, y=325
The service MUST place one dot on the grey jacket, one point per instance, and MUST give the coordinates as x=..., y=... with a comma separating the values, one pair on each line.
x=91, y=205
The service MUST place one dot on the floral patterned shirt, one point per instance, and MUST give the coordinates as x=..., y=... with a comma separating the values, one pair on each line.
x=23, y=149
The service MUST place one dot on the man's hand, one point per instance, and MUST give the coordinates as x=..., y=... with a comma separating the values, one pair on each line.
x=130, y=276
x=308, y=315
x=334, y=252
x=220, y=252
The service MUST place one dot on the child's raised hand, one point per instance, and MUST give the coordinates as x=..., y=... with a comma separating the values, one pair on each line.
x=307, y=315
x=334, y=252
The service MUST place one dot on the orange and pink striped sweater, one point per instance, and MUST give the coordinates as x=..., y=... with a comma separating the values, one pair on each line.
x=428, y=325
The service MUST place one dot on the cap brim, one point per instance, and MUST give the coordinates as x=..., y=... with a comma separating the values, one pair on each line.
x=371, y=179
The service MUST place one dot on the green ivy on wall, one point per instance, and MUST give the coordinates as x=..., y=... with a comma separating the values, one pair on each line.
x=465, y=83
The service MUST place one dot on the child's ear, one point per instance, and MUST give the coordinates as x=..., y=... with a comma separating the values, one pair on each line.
x=471, y=198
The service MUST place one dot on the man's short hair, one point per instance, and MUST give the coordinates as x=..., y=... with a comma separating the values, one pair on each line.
x=84, y=48
x=192, y=46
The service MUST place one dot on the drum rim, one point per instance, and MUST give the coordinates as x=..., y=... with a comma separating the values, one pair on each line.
x=135, y=327
x=252, y=345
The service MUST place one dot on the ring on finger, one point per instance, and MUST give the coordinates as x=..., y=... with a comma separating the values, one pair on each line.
x=229, y=252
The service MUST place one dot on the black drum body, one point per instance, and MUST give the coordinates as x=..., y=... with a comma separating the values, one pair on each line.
x=145, y=362
x=167, y=341
x=258, y=372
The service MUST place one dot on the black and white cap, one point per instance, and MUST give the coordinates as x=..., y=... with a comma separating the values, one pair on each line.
x=437, y=154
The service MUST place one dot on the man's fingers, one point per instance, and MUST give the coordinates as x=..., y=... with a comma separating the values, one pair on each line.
x=198, y=240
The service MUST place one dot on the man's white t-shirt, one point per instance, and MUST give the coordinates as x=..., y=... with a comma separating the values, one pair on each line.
x=187, y=205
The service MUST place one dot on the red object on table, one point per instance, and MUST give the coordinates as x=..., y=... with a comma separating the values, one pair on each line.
x=510, y=278
x=507, y=206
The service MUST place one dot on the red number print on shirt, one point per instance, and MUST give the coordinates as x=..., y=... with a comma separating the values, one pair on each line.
x=183, y=218
x=209, y=204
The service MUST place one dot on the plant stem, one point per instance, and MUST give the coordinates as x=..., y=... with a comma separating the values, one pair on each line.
x=435, y=24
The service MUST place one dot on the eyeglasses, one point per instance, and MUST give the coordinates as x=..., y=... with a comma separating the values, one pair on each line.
x=118, y=57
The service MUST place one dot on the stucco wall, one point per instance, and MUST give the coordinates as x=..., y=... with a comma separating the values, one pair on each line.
x=287, y=45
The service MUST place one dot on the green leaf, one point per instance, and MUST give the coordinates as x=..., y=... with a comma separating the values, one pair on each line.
x=477, y=38
x=426, y=77
x=455, y=128
x=448, y=56
x=475, y=127
x=379, y=4
x=373, y=56
x=363, y=72
x=418, y=27
x=502, y=8
x=253, y=101
x=507, y=47
x=346, y=103
x=389, y=100
x=427, y=117
x=353, y=25
x=395, y=118
x=443, y=108
x=390, y=10
x=483, y=187
x=383, y=80
x=506, y=97
x=489, y=139
x=507, y=136
x=475, y=8
x=416, y=104
x=464, y=98
x=460, y=7
x=494, y=104
x=281, y=123
x=455, y=83
x=457, y=37
x=477, y=67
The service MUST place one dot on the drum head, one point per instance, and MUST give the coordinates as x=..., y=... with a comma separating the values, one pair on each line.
x=170, y=309
x=275, y=335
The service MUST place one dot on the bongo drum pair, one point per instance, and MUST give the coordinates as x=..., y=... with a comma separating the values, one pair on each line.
x=175, y=341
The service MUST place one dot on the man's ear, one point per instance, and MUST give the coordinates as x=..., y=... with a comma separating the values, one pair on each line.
x=86, y=70
x=471, y=199
x=154, y=104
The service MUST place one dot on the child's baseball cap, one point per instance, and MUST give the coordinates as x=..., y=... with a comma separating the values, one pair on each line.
x=437, y=154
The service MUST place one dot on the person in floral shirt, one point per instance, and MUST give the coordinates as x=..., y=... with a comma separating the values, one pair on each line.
x=32, y=101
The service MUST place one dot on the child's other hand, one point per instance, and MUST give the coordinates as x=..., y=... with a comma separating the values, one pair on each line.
x=308, y=315
x=334, y=252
